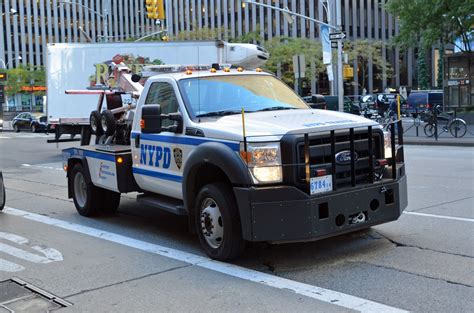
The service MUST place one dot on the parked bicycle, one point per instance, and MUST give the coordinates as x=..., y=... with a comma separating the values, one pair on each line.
x=445, y=121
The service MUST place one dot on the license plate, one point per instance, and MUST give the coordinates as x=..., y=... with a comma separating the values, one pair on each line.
x=321, y=184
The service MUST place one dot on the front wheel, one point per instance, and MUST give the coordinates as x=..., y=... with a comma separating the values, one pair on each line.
x=458, y=128
x=16, y=129
x=218, y=222
x=429, y=130
x=34, y=128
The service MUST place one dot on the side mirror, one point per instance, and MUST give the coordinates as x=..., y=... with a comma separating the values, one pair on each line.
x=151, y=119
x=314, y=99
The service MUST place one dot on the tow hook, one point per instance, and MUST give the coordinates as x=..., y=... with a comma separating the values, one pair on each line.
x=357, y=218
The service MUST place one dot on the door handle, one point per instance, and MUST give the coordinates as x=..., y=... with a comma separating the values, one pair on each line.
x=137, y=141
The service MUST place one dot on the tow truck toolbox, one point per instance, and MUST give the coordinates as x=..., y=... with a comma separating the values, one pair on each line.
x=247, y=161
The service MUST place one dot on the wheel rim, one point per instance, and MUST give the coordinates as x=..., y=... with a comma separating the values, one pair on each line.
x=94, y=124
x=80, y=189
x=104, y=124
x=458, y=129
x=212, y=227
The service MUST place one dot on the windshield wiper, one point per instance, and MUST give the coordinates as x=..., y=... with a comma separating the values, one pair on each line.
x=276, y=108
x=220, y=113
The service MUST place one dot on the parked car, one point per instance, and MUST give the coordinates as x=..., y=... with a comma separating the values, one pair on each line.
x=29, y=121
x=420, y=100
x=316, y=101
x=332, y=103
x=2, y=192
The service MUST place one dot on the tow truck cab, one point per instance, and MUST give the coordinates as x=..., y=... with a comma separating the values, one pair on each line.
x=246, y=160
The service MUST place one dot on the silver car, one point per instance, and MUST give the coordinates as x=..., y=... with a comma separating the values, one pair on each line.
x=2, y=192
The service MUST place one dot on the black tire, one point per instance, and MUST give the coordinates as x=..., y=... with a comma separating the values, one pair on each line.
x=86, y=196
x=458, y=128
x=108, y=122
x=16, y=129
x=34, y=128
x=4, y=197
x=429, y=130
x=231, y=244
x=110, y=201
x=94, y=121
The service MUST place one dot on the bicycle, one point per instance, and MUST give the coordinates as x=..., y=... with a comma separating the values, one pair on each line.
x=455, y=126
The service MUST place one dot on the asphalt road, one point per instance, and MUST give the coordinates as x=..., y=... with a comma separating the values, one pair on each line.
x=423, y=262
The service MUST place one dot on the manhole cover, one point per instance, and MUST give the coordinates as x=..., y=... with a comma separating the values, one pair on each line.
x=17, y=295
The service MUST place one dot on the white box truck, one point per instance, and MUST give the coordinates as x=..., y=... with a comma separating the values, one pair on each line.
x=86, y=66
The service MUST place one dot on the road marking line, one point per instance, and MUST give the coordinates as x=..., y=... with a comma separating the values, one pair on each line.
x=7, y=266
x=441, y=216
x=43, y=167
x=314, y=292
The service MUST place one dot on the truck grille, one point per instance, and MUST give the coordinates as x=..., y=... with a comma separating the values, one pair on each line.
x=323, y=149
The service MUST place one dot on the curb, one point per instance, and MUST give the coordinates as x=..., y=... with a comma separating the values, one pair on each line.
x=450, y=143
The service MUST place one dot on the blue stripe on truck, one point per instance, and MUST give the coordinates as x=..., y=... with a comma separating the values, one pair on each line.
x=159, y=175
x=191, y=141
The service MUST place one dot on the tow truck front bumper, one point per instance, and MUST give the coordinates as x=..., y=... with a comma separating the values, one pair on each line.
x=285, y=213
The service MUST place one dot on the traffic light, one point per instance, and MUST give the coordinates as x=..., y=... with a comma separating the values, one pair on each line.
x=155, y=9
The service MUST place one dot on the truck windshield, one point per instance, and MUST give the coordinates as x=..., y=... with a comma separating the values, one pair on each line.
x=224, y=95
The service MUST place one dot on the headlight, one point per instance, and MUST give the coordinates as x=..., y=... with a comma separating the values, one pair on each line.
x=264, y=162
x=387, y=142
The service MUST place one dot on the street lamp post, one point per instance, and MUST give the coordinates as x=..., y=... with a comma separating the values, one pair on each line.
x=5, y=65
x=104, y=16
x=289, y=15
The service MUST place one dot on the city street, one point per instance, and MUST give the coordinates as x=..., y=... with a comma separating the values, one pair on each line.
x=144, y=260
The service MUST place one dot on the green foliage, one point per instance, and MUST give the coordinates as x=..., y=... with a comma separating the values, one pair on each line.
x=432, y=20
x=281, y=51
x=363, y=51
x=423, y=80
x=25, y=76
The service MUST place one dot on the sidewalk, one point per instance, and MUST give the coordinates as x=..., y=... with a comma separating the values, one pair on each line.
x=444, y=138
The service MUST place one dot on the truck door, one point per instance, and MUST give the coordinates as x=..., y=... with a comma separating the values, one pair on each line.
x=158, y=158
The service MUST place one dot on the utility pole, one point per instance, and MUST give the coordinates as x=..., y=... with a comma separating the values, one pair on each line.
x=340, y=79
x=106, y=20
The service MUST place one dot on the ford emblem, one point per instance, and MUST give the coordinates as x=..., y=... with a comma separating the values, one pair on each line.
x=344, y=157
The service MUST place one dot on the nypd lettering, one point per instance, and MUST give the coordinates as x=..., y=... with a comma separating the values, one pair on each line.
x=156, y=156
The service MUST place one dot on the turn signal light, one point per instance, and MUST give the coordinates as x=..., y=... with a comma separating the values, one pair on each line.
x=189, y=72
x=213, y=70
x=142, y=123
x=239, y=69
x=381, y=162
x=246, y=156
x=119, y=160
x=226, y=69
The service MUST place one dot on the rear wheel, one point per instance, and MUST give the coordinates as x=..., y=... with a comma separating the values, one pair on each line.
x=16, y=129
x=108, y=122
x=94, y=120
x=429, y=130
x=89, y=199
x=218, y=222
x=458, y=128
x=34, y=128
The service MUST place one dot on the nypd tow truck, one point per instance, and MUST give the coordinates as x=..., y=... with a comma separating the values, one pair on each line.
x=244, y=158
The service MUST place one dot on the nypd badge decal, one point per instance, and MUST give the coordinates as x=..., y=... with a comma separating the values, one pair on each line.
x=178, y=157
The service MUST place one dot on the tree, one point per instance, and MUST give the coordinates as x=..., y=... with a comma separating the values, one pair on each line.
x=363, y=51
x=282, y=49
x=423, y=80
x=430, y=21
x=25, y=76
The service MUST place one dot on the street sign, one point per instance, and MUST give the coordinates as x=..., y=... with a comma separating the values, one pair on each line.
x=334, y=44
x=299, y=65
x=337, y=36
